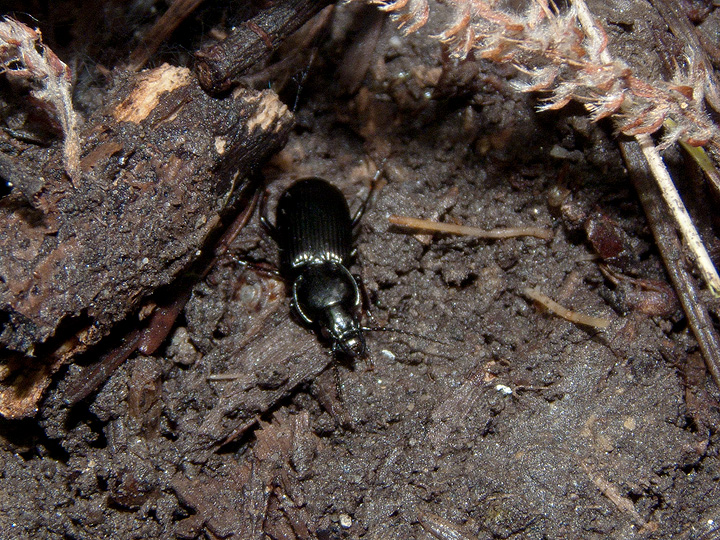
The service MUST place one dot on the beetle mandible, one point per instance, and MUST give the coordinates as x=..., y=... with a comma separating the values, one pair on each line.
x=314, y=232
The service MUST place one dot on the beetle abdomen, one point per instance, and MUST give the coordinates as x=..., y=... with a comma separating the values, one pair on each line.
x=313, y=225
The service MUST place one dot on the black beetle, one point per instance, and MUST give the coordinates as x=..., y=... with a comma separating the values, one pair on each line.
x=314, y=232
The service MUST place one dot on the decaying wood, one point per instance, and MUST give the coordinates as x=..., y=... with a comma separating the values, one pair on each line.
x=260, y=497
x=148, y=339
x=159, y=165
x=219, y=66
x=27, y=63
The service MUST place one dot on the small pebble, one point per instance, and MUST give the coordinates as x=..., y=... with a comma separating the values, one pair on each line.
x=345, y=521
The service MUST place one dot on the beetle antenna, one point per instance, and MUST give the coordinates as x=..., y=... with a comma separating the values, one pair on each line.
x=398, y=331
x=301, y=79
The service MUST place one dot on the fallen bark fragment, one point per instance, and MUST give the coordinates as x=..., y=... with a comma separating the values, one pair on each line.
x=160, y=322
x=265, y=369
x=159, y=164
x=259, y=495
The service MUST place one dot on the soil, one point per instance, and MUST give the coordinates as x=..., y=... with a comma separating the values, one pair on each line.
x=493, y=419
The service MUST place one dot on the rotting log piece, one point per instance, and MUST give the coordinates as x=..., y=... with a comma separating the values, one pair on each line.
x=159, y=165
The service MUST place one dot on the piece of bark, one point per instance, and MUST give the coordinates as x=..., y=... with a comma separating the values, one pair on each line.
x=219, y=66
x=159, y=165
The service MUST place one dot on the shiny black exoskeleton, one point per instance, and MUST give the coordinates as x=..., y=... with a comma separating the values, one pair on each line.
x=314, y=232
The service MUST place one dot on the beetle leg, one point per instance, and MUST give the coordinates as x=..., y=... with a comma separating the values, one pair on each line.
x=327, y=389
x=363, y=303
x=260, y=267
x=264, y=220
x=296, y=304
x=369, y=364
x=360, y=211
x=373, y=187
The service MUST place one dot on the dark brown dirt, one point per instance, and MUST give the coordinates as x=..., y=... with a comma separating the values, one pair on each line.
x=518, y=425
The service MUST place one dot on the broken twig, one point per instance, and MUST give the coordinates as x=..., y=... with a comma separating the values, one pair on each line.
x=219, y=66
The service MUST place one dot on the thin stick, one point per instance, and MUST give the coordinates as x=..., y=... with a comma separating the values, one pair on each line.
x=220, y=65
x=93, y=376
x=561, y=311
x=451, y=228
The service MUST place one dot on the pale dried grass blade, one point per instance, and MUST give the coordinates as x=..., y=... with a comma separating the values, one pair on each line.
x=561, y=311
x=464, y=230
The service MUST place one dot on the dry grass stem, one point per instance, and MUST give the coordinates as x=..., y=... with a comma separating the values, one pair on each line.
x=679, y=213
x=451, y=228
x=561, y=311
x=701, y=157
x=565, y=53
x=28, y=63
x=674, y=257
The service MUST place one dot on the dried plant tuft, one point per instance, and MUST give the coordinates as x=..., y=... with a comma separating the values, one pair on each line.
x=28, y=63
x=555, y=53
x=415, y=12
